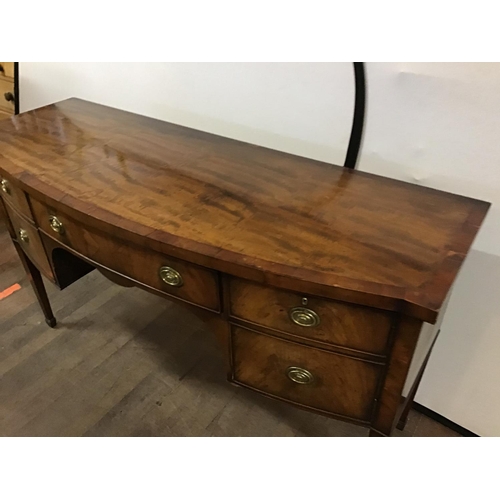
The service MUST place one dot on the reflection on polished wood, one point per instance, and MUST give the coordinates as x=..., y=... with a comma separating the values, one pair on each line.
x=253, y=234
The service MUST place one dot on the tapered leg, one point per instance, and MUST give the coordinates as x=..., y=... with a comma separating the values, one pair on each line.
x=38, y=287
x=409, y=400
x=411, y=395
x=399, y=362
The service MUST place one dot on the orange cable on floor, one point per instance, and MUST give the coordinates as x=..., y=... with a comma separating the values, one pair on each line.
x=10, y=291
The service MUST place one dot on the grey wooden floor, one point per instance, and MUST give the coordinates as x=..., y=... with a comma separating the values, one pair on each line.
x=122, y=362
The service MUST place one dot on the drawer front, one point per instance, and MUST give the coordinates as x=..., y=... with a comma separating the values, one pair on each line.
x=4, y=115
x=174, y=277
x=304, y=375
x=337, y=323
x=7, y=69
x=6, y=91
x=29, y=239
x=15, y=196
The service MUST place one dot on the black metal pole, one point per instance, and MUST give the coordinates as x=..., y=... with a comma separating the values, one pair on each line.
x=16, y=88
x=359, y=116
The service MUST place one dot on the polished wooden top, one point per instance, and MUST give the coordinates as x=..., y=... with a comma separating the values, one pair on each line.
x=261, y=212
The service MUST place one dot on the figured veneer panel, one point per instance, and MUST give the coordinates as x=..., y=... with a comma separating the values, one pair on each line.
x=342, y=324
x=32, y=244
x=342, y=385
x=14, y=195
x=200, y=286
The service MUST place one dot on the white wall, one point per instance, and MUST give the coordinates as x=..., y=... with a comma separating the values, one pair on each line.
x=275, y=105
x=429, y=123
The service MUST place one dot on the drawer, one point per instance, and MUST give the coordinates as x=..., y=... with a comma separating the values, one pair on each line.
x=7, y=69
x=6, y=87
x=15, y=196
x=307, y=376
x=4, y=115
x=174, y=277
x=328, y=321
x=29, y=239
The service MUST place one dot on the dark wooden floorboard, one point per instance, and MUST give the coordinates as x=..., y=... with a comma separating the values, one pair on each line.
x=122, y=362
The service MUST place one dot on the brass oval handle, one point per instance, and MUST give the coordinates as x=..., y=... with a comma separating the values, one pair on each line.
x=9, y=97
x=5, y=186
x=23, y=236
x=303, y=316
x=299, y=375
x=56, y=224
x=170, y=276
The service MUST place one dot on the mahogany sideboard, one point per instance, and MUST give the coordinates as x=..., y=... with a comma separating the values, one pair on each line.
x=325, y=286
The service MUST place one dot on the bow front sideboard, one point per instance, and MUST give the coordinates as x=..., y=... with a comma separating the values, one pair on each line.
x=325, y=286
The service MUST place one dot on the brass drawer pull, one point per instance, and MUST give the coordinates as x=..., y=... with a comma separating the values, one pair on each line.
x=299, y=375
x=171, y=277
x=23, y=236
x=9, y=97
x=303, y=316
x=5, y=186
x=56, y=224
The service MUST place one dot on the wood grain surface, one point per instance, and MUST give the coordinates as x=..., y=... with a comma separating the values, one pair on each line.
x=342, y=386
x=32, y=246
x=355, y=327
x=15, y=196
x=249, y=211
x=200, y=285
